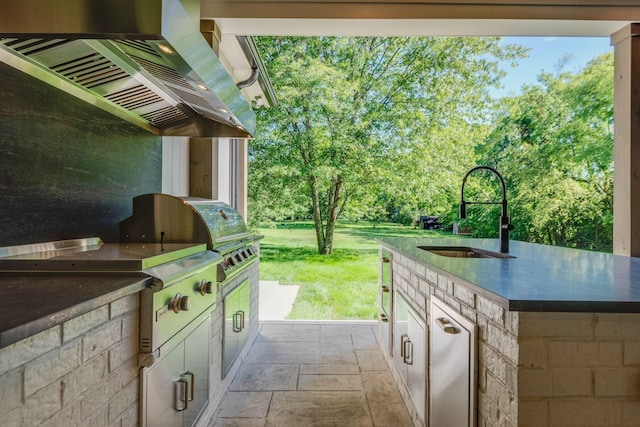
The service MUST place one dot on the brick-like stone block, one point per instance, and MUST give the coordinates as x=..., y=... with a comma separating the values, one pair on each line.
x=123, y=400
x=561, y=325
x=631, y=353
x=512, y=322
x=469, y=313
x=585, y=353
x=130, y=416
x=24, y=351
x=94, y=400
x=465, y=295
x=10, y=391
x=124, y=375
x=630, y=413
x=534, y=382
x=69, y=415
x=574, y=382
x=495, y=363
x=52, y=366
x=617, y=326
x=490, y=309
x=125, y=305
x=100, y=419
x=533, y=353
x=42, y=404
x=130, y=325
x=83, y=378
x=533, y=413
x=503, y=341
x=79, y=325
x=505, y=398
x=624, y=382
x=585, y=413
x=123, y=351
x=431, y=277
x=100, y=339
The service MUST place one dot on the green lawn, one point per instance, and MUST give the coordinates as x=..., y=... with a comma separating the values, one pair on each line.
x=340, y=286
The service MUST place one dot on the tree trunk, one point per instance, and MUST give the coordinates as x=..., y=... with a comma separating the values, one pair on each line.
x=317, y=214
x=332, y=217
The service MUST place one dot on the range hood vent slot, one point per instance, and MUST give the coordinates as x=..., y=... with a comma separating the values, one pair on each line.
x=158, y=73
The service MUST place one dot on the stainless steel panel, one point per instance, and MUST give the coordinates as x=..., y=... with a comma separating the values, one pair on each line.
x=236, y=324
x=162, y=217
x=144, y=61
x=158, y=321
x=160, y=389
x=197, y=362
x=452, y=373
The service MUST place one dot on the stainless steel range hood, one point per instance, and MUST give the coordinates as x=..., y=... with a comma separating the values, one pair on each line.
x=142, y=60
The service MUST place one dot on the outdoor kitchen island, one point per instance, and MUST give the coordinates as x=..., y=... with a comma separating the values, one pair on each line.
x=557, y=332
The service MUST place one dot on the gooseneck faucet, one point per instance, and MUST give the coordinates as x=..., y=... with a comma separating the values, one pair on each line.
x=505, y=221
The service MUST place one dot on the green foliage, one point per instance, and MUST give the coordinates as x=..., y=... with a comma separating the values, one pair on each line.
x=554, y=145
x=384, y=129
x=370, y=128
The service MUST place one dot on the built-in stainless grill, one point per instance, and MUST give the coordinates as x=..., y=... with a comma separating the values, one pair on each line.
x=165, y=219
x=171, y=219
x=194, y=255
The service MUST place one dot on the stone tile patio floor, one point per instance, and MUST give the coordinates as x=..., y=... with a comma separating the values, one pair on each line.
x=313, y=374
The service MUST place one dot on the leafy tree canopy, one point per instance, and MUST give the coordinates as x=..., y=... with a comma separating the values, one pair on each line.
x=370, y=127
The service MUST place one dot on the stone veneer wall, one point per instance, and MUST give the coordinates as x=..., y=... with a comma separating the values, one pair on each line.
x=83, y=372
x=579, y=369
x=536, y=369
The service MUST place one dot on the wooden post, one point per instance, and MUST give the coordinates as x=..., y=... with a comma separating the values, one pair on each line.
x=626, y=193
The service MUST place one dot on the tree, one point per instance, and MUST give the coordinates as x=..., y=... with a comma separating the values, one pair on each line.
x=364, y=124
x=554, y=145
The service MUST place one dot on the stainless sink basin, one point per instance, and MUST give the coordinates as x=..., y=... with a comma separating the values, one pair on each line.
x=463, y=252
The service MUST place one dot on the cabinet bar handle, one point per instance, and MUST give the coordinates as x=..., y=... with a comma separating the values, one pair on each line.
x=237, y=326
x=182, y=395
x=193, y=384
x=403, y=339
x=241, y=319
x=446, y=325
x=408, y=352
x=384, y=318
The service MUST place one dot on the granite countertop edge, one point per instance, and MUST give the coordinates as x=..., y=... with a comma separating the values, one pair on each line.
x=541, y=278
x=18, y=323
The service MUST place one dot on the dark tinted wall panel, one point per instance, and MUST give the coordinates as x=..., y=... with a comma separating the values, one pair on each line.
x=67, y=169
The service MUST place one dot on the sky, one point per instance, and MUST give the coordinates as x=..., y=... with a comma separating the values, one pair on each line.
x=545, y=54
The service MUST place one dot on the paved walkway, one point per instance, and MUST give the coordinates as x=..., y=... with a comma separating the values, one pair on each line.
x=300, y=374
x=276, y=300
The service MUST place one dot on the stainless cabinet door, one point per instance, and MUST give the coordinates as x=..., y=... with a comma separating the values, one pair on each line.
x=417, y=370
x=400, y=334
x=196, y=368
x=452, y=401
x=236, y=323
x=164, y=390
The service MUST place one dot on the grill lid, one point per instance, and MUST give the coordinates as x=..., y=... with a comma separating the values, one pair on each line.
x=170, y=219
x=143, y=61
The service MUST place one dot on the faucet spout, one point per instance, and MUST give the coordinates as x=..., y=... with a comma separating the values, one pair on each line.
x=505, y=221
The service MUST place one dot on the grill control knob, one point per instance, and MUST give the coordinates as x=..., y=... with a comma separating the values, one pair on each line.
x=205, y=287
x=180, y=303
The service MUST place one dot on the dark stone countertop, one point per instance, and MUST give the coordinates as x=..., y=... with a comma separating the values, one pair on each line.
x=541, y=278
x=33, y=303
